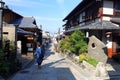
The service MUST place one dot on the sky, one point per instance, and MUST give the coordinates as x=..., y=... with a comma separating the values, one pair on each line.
x=48, y=13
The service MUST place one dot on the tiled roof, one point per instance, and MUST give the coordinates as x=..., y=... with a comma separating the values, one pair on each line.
x=116, y=20
x=21, y=31
x=104, y=25
x=25, y=22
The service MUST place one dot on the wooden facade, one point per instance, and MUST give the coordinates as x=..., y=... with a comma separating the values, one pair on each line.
x=11, y=18
x=9, y=15
x=90, y=12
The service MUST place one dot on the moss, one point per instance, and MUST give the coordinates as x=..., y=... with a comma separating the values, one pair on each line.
x=91, y=61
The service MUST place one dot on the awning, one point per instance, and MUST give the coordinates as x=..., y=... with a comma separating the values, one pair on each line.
x=23, y=32
x=104, y=25
x=116, y=20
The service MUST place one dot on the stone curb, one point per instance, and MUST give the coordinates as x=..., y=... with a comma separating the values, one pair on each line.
x=79, y=68
x=85, y=66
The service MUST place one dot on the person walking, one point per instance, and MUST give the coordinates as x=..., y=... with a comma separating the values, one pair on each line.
x=55, y=44
x=38, y=55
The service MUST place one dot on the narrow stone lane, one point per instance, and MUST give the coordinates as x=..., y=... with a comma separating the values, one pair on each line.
x=53, y=67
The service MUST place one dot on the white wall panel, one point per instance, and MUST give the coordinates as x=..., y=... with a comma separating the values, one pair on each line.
x=108, y=7
x=106, y=18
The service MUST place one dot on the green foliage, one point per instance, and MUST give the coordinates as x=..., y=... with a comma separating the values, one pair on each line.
x=64, y=44
x=4, y=68
x=82, y=57
x=78, y=42
x=91, y=61
x=1, y=53
x=8, y=66
x=4, y=65
x=12, y=45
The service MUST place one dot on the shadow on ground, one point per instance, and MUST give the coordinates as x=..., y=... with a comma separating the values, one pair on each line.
x=51, y=72
x=114, y=73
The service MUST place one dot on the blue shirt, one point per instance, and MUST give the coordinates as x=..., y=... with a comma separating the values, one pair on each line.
x=38, y=52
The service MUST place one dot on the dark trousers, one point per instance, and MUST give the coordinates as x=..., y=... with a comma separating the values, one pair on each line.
x=39, y=61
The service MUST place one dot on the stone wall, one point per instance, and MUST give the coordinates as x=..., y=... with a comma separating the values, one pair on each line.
x=9, y=33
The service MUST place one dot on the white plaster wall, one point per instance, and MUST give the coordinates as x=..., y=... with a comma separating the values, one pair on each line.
x=108, y=7
x=11, y=32
x=19, y=47
x=81, y=15
x=106, y=18
x=80, y=18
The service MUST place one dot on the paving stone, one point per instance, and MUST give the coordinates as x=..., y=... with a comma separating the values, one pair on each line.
x=53, y=67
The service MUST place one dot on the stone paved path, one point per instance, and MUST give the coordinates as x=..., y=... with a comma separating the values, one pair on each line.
x=53, y=67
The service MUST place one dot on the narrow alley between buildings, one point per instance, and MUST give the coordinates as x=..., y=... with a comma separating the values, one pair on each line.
x=54, y=67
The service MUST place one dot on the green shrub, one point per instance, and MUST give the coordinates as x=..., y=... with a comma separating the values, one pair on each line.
x=82, y=57
x=8, y=66
x=4, y=69
x=1, y=53
x=75, y=43
x=91, y=61
x=78, y=42
x=12, y=46
x=64, y=44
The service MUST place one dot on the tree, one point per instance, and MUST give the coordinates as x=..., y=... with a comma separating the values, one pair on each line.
x=78, y=42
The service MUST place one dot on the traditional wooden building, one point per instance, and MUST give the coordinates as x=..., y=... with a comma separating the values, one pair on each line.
x=29, y=24
x=100, y=18
x=23, y=30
